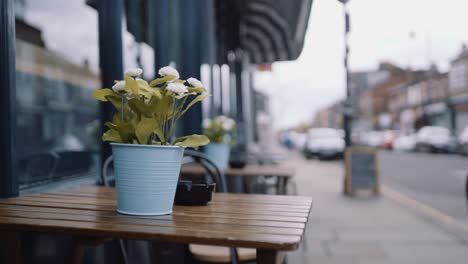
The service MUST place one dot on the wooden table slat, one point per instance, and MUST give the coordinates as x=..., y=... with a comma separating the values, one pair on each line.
x=286, y=218
x=167, y=218
x=248, y=170
x=153, y=223
x=280, y=199
x=264, y=222
x=280, y=242
x=213, y=206
x=218, y=202
x=206, y=209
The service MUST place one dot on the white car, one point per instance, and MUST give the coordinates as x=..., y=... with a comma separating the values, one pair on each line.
x=324, y=143
x=379, y=139
x=405, y=143
x=435, y=139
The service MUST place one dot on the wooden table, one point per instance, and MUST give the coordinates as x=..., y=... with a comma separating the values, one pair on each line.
x=282, y=172
x=272, y=224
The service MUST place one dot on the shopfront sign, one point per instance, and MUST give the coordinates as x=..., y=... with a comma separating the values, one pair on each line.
x=362, y=170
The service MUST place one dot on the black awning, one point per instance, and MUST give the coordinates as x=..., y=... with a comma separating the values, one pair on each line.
x=268, y=30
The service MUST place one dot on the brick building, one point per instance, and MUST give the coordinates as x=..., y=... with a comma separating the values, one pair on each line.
x=421, y=102
x=362, y=85
x=458, y=88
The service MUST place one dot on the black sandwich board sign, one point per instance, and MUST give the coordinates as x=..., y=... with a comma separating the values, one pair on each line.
x=362, y=170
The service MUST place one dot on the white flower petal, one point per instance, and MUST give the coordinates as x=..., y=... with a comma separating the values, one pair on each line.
x=194, y=82
x=134, y=72
x=177, y=88
x=119, y=86
x=168, y=70
x=206, y=123
x=228, y=124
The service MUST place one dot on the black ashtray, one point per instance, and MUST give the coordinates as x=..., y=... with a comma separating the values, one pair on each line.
x=189, y=193
x=237, y=164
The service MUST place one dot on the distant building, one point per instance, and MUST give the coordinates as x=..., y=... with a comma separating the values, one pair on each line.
x=331, y=116
x=363, y=81
x=458, y=88
x=374, y=110
x=421, y=102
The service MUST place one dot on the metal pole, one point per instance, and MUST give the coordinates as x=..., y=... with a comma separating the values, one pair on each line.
x=8, y=176
x=110, y=56
x=191, y=59
x=160, y=32
x=347, y=115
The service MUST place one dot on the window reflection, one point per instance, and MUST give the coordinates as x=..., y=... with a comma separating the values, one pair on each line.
x=56, y=60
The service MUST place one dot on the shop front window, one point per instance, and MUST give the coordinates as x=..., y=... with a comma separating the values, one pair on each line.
x=56, y=72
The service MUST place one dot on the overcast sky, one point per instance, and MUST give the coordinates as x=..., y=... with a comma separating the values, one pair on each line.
x=380, y=30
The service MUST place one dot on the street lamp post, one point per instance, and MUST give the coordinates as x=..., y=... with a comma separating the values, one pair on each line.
x=347, y=113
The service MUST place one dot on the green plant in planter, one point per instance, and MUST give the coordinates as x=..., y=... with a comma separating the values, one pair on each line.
x=148, y=112
x=219, y=129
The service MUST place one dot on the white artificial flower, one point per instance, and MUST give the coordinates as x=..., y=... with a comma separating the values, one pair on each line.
x=168, y=70
x=206, y=123
x=177, y=88
x=228, y=124
x=134, y=72
x=119, y=87
x=194, y=82
x=220, y=118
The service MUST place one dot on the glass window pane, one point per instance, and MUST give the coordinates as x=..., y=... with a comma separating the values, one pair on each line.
x=57, y=70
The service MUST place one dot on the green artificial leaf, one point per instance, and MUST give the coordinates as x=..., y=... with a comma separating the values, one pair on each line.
x=126, y=132
x=116, y=100
x=110, y=125
x=131, y=85
x=144, y=130
x=102, y=93
x=147, y=90
x=112, y=135
x=165, y=105
x=158, y=131
x=192, y=141
x=117, y=118
x=162, y=80
x=178, y=97
x=196, y=89
x=140, y=107
x=197, y=99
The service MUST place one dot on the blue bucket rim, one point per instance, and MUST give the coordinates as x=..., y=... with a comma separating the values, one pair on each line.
x=144, y=146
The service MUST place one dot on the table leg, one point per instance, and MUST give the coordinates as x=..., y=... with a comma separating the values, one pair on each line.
x=281, y=185
x=78, y=249
x=10, y=247
x=270, y=256
x=79, y=245
x=285, y=185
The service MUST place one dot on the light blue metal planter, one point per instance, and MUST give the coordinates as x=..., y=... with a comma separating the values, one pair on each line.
x=146, y=177
x=219, y=153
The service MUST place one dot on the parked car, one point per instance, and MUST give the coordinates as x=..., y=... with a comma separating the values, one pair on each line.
x=374, y=139
x=463, y=140
x=389, y=139
x=324, y=143
x=299, y=140
x=405, y=143
x=435, y=139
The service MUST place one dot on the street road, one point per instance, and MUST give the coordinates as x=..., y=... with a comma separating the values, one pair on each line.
x=436, y=180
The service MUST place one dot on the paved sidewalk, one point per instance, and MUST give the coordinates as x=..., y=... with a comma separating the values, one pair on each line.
x=365, y=230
